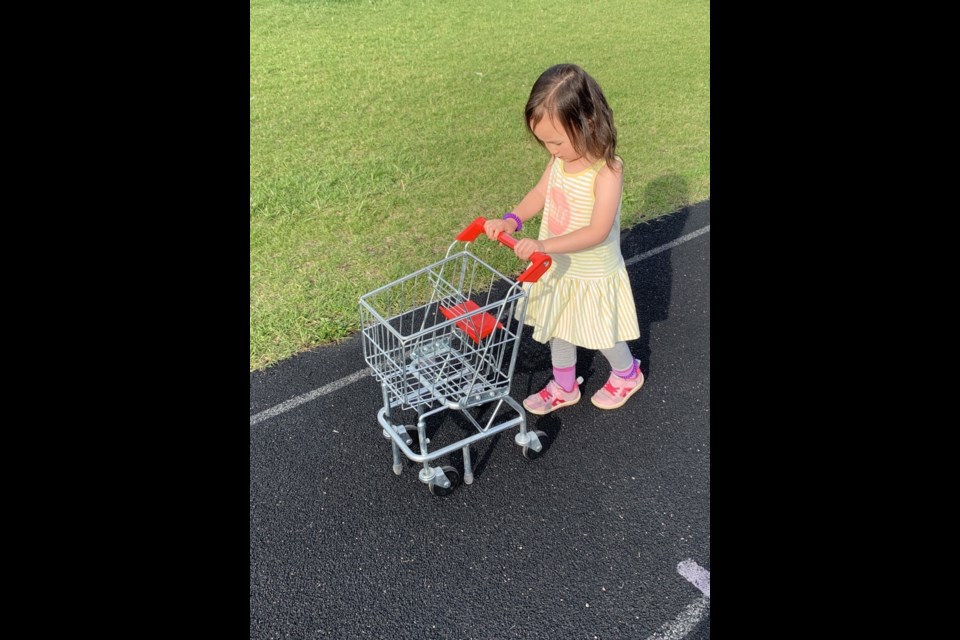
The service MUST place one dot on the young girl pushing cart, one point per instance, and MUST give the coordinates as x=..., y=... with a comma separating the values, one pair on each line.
x=584, y=299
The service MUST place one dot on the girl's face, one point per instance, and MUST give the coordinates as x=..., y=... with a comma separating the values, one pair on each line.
x=555, y=139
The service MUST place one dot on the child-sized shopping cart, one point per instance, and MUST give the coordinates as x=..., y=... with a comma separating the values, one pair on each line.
x=446, y=337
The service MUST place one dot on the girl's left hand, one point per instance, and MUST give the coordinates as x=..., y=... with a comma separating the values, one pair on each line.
x=527, y=247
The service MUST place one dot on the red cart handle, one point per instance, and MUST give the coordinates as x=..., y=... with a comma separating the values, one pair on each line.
x=540, y=262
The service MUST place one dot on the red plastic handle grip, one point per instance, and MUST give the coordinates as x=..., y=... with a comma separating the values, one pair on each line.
x=539, y=262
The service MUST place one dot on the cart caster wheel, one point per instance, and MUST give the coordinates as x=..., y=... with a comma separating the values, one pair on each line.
x=531, y=454
x=453, y=476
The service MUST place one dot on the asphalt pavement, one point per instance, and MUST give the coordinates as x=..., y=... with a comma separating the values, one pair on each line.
x=606, y=535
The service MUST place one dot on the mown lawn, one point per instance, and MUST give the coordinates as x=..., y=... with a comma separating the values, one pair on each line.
x=379, y=129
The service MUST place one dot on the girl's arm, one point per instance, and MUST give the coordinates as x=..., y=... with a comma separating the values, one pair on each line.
x=531, y=205
x=607, y=190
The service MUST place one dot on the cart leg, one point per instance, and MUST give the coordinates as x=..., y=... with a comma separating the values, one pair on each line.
x=386, y=407
x=467, y=466
x=426, y=474
x=397, y=466
x=522, y=438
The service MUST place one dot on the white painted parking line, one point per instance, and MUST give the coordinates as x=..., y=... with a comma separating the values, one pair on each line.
x=669, y=245
x=696, y=574
x=307, y=397
x=691, y=615
x=684, y=623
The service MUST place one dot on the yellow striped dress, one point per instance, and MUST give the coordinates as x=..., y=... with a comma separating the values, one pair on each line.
x=585, y=296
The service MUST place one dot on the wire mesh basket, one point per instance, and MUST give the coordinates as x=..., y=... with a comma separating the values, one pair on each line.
x=446, y=337
x=445, y=334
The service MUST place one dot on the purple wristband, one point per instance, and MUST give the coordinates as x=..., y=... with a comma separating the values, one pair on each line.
x=514, y=217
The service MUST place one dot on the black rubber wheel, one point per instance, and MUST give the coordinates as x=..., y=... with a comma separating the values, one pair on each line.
x=453, y=476
x=529, y=453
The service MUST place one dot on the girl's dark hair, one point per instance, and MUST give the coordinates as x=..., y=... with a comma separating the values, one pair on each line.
x=570, y=96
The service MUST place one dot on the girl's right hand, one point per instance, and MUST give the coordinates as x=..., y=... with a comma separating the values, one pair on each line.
x=494, y=226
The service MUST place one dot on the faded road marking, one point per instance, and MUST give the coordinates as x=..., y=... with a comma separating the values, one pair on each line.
x=696, y=574
x=686, y=622
x=690, y=617
x=307, y=397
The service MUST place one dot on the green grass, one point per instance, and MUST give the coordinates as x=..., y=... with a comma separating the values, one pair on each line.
x=379, y=129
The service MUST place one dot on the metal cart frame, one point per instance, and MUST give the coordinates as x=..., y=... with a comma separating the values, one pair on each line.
x=446, y=337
